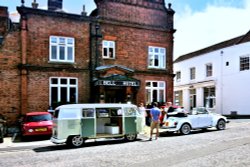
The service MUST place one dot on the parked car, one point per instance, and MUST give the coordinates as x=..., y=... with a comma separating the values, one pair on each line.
x=3, y=128
x=163, y=113
x=36, y=123
x=199, y=118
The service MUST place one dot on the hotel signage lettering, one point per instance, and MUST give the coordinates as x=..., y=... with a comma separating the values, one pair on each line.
x=118, y=83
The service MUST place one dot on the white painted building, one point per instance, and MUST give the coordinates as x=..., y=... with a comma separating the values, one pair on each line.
x=217, y=77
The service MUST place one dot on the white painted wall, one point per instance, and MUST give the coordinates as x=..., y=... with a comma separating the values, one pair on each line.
x=232, y=85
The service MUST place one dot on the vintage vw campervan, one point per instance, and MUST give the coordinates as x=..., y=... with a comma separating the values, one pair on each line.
x=75, y=123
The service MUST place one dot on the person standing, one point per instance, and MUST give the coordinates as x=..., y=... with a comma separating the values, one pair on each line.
x=143, y=112
x=155, y=115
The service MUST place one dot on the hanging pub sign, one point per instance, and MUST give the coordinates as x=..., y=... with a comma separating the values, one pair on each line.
x=117, y=83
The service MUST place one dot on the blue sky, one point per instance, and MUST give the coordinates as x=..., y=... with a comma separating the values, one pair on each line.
x=199, y=23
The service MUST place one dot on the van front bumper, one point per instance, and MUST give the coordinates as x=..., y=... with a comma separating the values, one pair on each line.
x=57, y=141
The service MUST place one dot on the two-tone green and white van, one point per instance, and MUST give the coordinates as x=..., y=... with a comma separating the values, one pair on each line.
x=75, y=123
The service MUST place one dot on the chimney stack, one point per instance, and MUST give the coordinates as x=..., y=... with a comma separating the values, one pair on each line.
x=34, y=4
x=55, y=5
x=84, y=13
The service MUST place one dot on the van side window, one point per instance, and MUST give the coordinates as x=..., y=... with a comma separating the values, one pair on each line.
x=116, y=111
x=66, y=113
x=130, y=111
x=88, y=112
x=56, y=113
x=102, y=112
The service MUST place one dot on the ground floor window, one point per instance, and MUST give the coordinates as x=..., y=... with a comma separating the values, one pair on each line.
x=63, y=91
x=178, y=98
x=155, y=91
x=209, y=97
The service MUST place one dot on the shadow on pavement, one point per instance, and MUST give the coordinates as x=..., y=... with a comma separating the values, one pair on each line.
x=17, y=138
x=174, y=134
x=87, y=144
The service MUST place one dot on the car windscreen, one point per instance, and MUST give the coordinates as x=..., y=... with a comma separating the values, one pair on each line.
x=38, y=118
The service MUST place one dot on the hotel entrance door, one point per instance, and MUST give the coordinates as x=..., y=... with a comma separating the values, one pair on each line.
x=115, y=95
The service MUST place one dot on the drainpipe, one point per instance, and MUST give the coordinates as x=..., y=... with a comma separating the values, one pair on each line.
x=24, y=93
x=221, y=88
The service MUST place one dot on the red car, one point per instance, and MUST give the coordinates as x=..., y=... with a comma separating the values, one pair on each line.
x=37, y=123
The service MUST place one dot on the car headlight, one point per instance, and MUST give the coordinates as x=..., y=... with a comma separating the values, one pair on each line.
x=30, y=130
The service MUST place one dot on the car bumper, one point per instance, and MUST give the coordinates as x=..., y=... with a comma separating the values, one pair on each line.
x=34, y=133
x=57, y=141
x=170, y=128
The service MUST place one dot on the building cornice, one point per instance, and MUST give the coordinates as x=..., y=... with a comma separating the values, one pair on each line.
x=59, y=14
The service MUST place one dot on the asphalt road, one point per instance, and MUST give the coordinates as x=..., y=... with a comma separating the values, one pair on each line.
x=229, y=148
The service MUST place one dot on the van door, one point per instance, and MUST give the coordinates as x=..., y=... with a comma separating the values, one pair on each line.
x=88, y=122
x=130, y=120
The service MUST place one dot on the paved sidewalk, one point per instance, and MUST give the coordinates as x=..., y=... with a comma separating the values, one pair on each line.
x=10, y=142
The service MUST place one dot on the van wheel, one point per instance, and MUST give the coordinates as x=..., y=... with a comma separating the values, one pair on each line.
x=75, y=141
x=130, y=137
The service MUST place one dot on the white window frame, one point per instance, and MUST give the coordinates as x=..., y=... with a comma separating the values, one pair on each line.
x=61, y=42
x=153, y=53
x=209, y=70
x=192, y=73
x=178, y=76
x=244, y=63
x=161, y=86
x=108, y=45
x=59, y=85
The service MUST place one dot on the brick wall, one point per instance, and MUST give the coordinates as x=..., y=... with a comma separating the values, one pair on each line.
x=10, y=76
x=136, y=11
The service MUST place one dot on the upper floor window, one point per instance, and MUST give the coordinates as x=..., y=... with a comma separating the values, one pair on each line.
x=156, y=57
x=108, y=49
x=244, y=63
x=209, y=70
x=192, y=73
x=178, y=76
x=62, y=49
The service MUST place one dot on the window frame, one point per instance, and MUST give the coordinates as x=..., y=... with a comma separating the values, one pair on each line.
x=209, y=72
x=244, y=65
x=111, y=45
x=152, y=54
x=178, y=76
x=60, y=85
x=192, y=73
x=150, y=89
x=59, y=44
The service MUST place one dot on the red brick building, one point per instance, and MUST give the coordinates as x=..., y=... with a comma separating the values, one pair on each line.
x=122, y=52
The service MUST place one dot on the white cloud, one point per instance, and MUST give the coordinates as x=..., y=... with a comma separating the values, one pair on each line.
x=197, y=30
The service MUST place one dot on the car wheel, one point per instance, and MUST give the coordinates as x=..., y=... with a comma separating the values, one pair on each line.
x=130, y=137
x=75, y=141
x=221, y=124
x=185, y=129
x=1, y=140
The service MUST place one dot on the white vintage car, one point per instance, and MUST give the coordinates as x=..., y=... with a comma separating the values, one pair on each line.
x=199, y=118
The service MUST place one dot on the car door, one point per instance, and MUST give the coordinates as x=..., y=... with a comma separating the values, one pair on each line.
x=194, y=119
x=205, y=120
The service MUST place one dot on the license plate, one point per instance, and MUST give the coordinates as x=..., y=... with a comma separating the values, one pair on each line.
x=166, y=123
x=41, y=129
